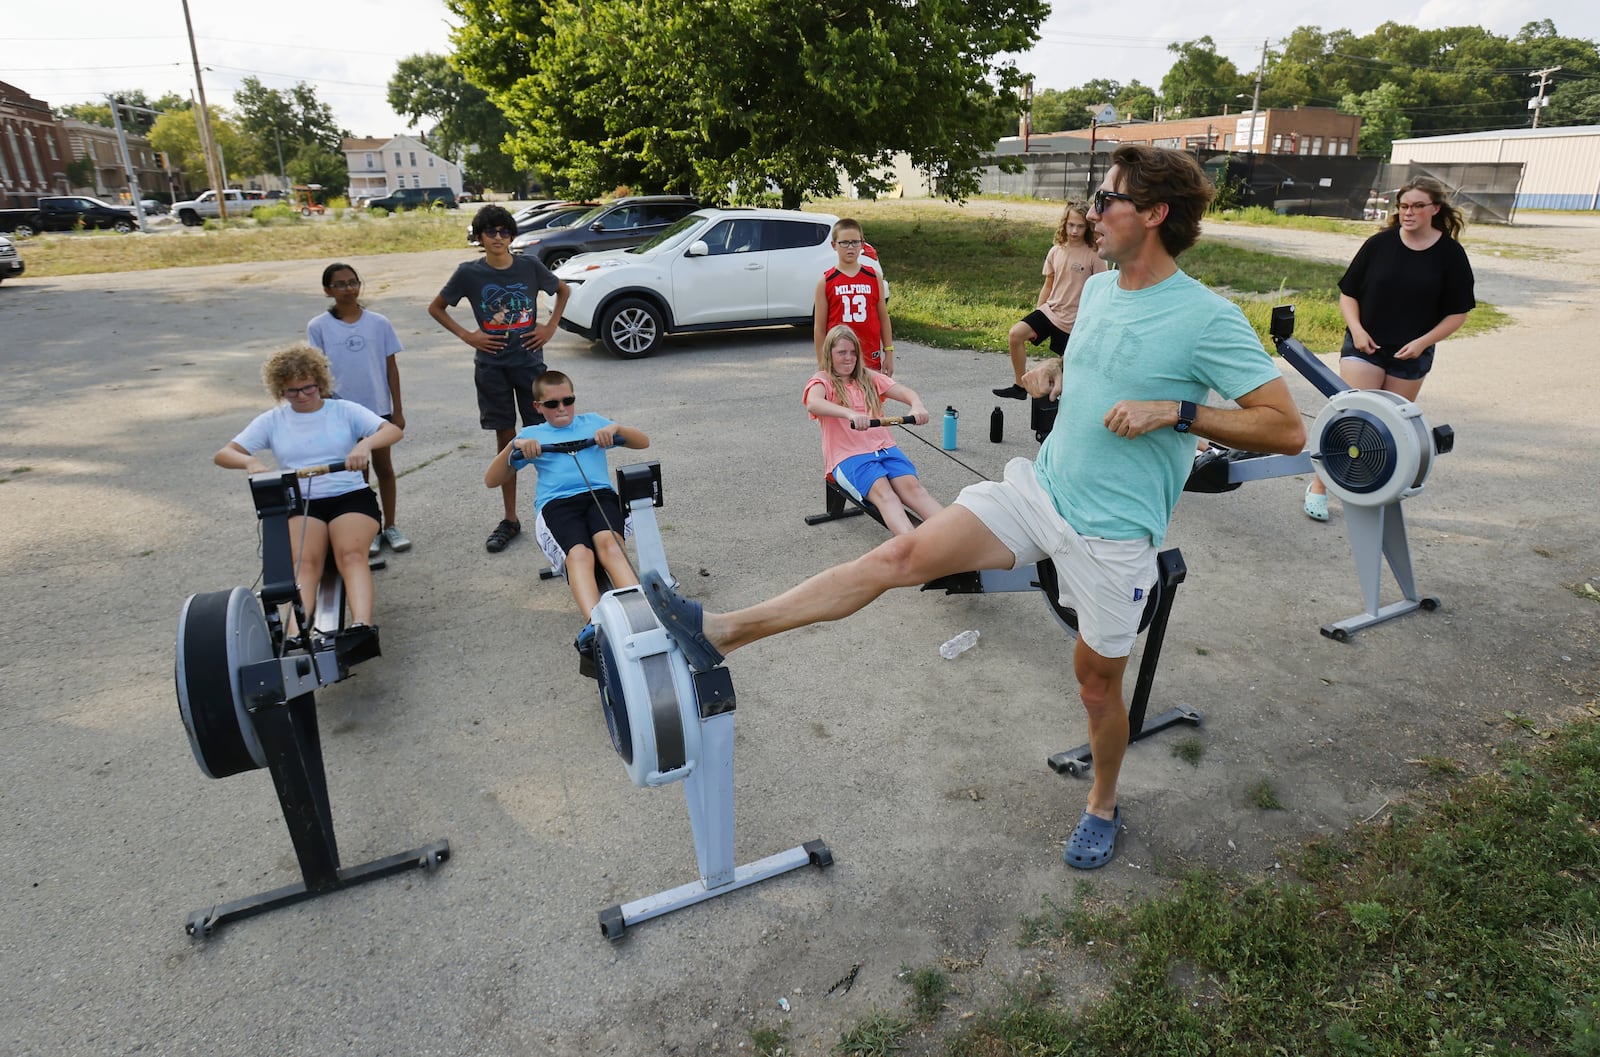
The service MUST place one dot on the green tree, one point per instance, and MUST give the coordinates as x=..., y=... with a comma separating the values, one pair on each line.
x=1061, y=110
x=1201, y=81
x=178, y=133
x=1383, y=118
x=314, y=163
x=731, y=99
x=466, y=123
x=136, y=122
x=293, y=119
x=1574, y=103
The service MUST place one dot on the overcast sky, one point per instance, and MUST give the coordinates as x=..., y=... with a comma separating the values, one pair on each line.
x=349, y=51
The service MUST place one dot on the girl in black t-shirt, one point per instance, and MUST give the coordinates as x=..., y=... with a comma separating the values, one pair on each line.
x=1408, y=288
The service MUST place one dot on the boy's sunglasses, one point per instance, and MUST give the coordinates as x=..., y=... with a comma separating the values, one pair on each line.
x=498, y=233
x=563, y=401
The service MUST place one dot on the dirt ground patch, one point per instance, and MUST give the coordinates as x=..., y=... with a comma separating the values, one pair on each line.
x=926, y=777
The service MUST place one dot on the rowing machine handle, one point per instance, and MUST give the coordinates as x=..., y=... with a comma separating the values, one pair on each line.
x=318, y=471
x=567, y=447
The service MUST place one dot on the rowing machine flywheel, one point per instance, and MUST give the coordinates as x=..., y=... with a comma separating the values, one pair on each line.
x=219, y=633
x=646, y=691
x=1375, y=447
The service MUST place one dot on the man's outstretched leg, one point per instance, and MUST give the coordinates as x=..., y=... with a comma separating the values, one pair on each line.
x=953, y=541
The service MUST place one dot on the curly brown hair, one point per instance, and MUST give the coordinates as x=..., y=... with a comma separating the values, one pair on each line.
x=1156, y=175
x=293, y=363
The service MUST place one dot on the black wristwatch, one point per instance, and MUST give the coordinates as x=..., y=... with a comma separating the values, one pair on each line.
x=1186, y=413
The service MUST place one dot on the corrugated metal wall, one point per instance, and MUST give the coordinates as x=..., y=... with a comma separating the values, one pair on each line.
x=1561, y=169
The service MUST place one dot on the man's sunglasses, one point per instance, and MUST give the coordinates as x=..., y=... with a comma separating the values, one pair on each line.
x=1103, y=198
x=563, y=401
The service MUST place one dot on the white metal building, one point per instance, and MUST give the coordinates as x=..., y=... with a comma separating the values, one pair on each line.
x=1561, y=164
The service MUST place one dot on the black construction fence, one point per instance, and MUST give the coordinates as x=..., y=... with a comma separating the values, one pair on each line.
x=1348, y=187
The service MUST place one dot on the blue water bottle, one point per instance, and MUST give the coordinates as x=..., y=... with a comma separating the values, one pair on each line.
x=949, y=429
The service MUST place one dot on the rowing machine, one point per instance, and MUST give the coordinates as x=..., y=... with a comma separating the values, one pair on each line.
x=671, y=724
x=245, y=694
x=1371, y=448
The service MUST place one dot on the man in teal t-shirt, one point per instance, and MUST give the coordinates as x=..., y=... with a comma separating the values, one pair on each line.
x=1148, y=344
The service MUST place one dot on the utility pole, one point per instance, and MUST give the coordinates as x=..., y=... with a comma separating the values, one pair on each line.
x=1536, y=104
x=1255, y=106
x=208, y=145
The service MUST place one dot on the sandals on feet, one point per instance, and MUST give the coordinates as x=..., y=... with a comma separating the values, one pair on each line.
x=683, y=619
x=503, y=534
x=1316, y=505
x=1094, y=842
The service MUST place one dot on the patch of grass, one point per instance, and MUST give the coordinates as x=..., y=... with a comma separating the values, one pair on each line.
x=289, y=237
x=1189, y=750
x=929, y=988
x=1262, y=795
x=1439, y=766
x=1467, y=923
x=875, y=1035
x=768, y=1042
x=1261, y=216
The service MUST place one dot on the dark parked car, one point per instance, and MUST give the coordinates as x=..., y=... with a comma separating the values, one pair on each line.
x=614, y=226
x=68, y=213
x=414, y=198
x=550, y=215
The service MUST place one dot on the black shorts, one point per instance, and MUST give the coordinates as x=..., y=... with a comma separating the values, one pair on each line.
x=503, y=392
x=577, y=519
x=356, y=501
x=1409, y=370
x=1044, y=330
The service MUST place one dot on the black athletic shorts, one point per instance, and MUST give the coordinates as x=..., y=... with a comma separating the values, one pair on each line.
x=356, y=501
x=1410, y=370
x=1044, y=330
x=577, y=519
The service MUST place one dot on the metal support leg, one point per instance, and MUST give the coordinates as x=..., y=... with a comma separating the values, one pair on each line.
x=288, y=734
x=1378, y=534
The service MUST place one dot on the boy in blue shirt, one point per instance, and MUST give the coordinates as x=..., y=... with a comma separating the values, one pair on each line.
x=580, y=518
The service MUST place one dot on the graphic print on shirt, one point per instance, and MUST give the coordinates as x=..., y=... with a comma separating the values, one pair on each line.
x=507, y=308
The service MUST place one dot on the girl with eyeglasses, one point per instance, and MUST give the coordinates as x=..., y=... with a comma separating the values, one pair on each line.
x=579, y=517
x=362, y=347
x=1408, y=288
x=311, y=428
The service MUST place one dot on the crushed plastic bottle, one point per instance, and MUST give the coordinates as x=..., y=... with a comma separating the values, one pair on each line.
x=958, y=645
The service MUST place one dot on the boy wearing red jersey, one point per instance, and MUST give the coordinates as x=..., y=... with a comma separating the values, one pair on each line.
x=853, y=293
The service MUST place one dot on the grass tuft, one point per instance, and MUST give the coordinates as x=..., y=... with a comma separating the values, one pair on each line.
x=929, y=988
x=875, y=1035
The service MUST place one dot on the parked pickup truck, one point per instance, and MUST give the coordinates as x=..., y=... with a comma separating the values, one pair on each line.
x=68, y=213
x=204, y=207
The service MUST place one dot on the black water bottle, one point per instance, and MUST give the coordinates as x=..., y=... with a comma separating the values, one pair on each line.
x=997, y=421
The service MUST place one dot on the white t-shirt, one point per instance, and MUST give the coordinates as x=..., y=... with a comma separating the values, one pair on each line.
x=359, y=353
x=313, y=438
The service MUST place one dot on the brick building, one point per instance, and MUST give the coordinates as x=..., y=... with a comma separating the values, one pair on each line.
x=34, y=152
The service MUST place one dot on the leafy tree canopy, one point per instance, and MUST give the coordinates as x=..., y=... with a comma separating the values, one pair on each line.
x=1403, y=81
x=734, y=99
x=178, y=133
x=466, y=122
x=136, y=122
x=272, y=119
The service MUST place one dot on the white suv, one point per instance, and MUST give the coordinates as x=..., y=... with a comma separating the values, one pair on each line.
x=715, y=269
